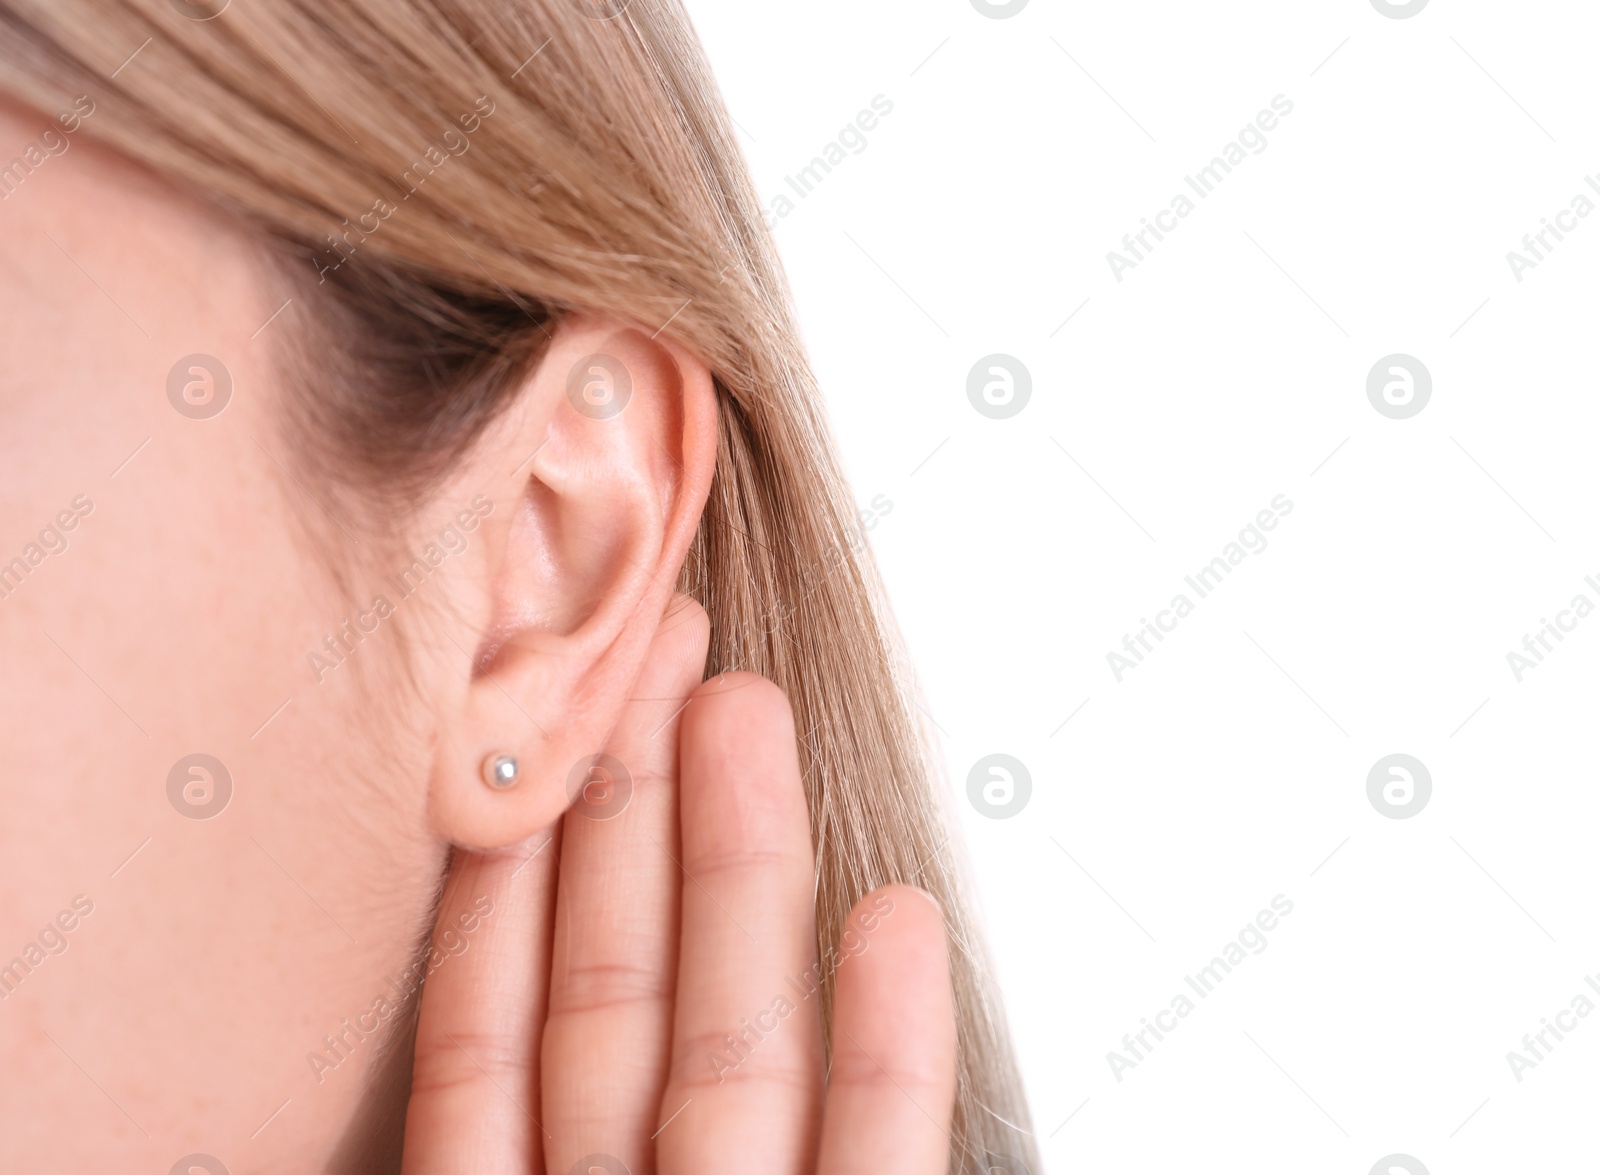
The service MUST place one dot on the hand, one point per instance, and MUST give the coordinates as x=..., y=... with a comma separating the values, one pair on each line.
x=644, y=995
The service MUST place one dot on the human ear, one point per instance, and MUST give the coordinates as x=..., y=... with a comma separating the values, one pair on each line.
x=616, y=433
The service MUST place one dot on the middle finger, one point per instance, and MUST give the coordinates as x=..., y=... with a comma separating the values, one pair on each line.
x=747, y=1049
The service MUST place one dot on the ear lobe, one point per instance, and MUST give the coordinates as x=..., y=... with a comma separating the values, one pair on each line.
x=580, y=569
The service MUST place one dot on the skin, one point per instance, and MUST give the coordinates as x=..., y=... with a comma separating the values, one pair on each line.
x=582, y=969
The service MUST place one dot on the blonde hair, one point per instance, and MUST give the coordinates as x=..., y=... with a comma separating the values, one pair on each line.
x=540, y=157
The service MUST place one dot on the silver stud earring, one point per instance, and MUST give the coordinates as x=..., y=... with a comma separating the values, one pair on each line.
x=501, y=771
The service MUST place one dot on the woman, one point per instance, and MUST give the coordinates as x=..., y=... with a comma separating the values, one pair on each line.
x=404, y=415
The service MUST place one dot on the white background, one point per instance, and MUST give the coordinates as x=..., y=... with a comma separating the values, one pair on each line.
x=1230, y=366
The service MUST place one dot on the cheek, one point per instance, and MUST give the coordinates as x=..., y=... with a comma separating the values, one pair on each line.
x=262, y=894
x=269, y=891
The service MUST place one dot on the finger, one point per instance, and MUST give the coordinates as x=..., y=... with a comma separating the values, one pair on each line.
x=614, y=965
x=746, y=1084
x=892, y=1083
x=474, y=1087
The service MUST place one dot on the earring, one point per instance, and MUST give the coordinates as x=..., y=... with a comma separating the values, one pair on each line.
x=501, y=771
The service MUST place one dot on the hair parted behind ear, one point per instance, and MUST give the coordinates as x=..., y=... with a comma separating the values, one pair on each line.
x=451, y=175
